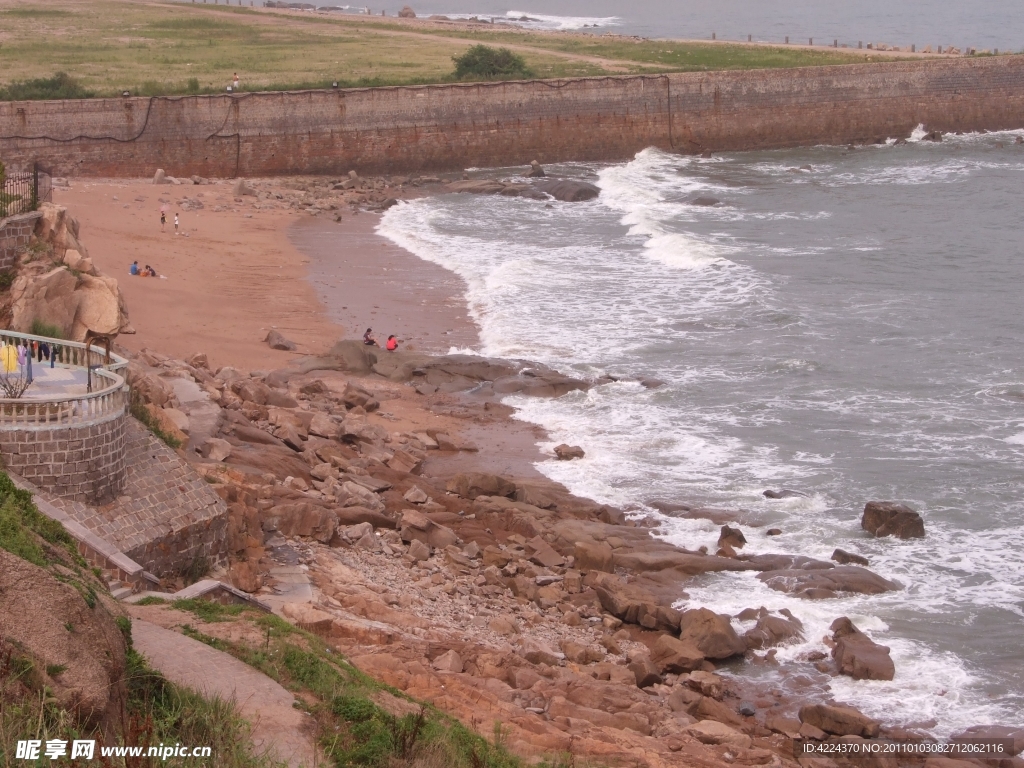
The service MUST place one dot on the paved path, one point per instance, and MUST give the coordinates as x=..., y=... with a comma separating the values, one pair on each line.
x=277, y=725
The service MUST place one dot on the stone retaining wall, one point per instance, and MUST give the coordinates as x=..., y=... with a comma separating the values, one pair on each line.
x=15, y=232
x=166, y=517
x=83, y=463
x=454, y=126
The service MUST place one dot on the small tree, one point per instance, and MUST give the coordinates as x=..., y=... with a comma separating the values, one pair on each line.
x=481, y=62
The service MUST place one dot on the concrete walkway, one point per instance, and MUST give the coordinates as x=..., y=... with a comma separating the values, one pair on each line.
x=278, y=727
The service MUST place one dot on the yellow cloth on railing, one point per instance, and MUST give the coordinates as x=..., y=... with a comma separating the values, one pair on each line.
x=9, y=357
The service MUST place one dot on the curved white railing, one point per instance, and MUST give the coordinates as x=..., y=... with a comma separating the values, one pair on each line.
x=109, y=397
x=73, y=354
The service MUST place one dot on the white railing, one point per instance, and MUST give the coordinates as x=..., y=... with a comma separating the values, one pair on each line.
x=73, y=354
x=108, y=398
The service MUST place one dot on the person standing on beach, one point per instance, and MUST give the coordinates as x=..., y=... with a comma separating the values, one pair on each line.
x=163, y=221
x=175, y=223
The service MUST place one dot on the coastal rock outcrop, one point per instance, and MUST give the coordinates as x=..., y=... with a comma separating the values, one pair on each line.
x=449, y=373
x=857, y=655
x=75, y=297
x=710, y=633
x=839, y=720
x=828, y=582
x=887, y=518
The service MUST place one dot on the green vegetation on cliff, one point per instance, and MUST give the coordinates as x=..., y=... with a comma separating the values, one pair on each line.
x=162, y=49
x=52, y=634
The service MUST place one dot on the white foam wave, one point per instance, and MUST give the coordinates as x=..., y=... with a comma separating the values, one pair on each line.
x=545, y=21
x=529, y=20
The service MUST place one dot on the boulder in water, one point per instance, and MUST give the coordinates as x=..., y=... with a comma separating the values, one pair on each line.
x=407, y=13
x=785, y=493
x=887, y=518
x=569, y=191
x=843, y=557
x=536, y=172
x=731, y=537
x=706, y=201
x=857, y=655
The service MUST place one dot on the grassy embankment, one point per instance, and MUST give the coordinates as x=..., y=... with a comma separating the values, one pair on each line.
x=153, y=710
x=154, y=48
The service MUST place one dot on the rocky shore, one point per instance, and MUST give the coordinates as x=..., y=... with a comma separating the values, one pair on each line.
x=503, y=598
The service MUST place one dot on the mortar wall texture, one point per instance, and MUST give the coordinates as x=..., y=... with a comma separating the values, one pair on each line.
x=450, y=127
x=167, y=517
x=80, y=463
x=15, y=233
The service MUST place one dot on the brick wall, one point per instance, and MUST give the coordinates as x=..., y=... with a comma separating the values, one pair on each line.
x=445, y=127
x=15, y=232
x=81, y=463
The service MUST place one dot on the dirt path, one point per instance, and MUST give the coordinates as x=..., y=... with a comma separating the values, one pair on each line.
x=277, y=725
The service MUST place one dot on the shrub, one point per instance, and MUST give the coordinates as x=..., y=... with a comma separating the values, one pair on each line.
x=481, y=62
x=42, y=328
x=60, y=86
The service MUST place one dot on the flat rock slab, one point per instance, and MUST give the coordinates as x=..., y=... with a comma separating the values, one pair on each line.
x=277, y=726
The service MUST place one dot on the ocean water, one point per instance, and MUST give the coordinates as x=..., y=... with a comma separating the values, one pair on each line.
x=845, y=323
x=982, y=24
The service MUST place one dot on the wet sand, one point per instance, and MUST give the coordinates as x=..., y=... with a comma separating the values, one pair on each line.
x=364, y=280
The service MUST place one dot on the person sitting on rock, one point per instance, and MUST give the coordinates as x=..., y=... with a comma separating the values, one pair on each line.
x=368, y=339
x=134, y=268
x=392, y=343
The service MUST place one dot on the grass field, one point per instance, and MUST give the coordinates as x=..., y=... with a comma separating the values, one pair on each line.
x=161, y=48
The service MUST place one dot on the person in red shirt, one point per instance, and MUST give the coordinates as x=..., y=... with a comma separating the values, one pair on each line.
x=392, y=344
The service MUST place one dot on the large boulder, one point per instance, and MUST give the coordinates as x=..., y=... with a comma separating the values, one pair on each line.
x=593, y=556
x=839, y=720
x=302, y=518
x=568, y=191
x=673, y=655
x=75, y=303
x=59, y=230
x=406, y=13
x=473, y=484
x=857, y=655
x=829, y=582
x=710, y=633
x=887, y=518
x=774, y=630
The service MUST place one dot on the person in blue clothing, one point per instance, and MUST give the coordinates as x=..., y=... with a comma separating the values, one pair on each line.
x=134, y=268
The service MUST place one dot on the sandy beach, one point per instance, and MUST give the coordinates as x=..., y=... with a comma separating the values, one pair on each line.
x=231, y=275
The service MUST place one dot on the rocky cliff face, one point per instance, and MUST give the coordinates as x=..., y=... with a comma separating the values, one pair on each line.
x=58, y=285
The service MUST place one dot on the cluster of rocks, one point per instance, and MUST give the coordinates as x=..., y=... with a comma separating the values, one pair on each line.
x=58, y=284
x=555, y=612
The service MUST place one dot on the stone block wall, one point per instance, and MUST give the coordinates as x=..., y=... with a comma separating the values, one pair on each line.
x=82, y=463
x=15, y=232
x=167, y=517
x=454, y=126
